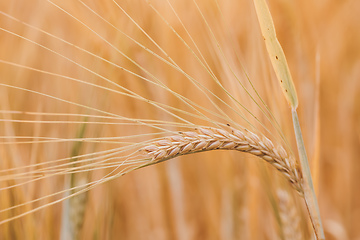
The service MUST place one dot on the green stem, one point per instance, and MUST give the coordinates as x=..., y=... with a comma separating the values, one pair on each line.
x=309, y=193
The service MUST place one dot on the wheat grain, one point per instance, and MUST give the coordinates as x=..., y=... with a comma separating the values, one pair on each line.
x=206, y=139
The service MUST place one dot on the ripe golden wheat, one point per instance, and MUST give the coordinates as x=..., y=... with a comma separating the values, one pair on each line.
x=206, y=139
x=149, y=81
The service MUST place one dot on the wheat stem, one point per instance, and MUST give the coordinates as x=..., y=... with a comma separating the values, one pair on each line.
x=283, y=75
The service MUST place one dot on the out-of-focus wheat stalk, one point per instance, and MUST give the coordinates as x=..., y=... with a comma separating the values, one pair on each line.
x=74, y=208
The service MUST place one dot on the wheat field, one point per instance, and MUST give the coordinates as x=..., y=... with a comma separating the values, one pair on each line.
x=97, y=97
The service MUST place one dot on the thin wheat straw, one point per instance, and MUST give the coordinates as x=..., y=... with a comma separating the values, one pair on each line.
x=208, y=69
x=159, y=83
x=89, y=140
x=156, y=104
x=66, y=170
x=102, y=155
x=42, y=174
x=174, y=65
x=90, y=185
x=268, y=114
x=91, y=108
x=57, y=171
x=226, y=60
x=131, y=120
x=185, y=100
x=130, y=94
x=180, y=97
x=70, y=170
x=203, y=64
x=93, y=122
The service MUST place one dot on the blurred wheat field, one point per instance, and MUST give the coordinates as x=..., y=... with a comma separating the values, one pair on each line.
x=84, y=84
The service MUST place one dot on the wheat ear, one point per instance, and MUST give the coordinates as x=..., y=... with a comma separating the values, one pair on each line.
x=290, y=219
x=206, y=139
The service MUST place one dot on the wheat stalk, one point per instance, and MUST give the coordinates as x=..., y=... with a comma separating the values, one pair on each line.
x=206, y=139
x=283, y=74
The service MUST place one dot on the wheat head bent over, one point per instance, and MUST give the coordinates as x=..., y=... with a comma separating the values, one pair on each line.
x=206, y=139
